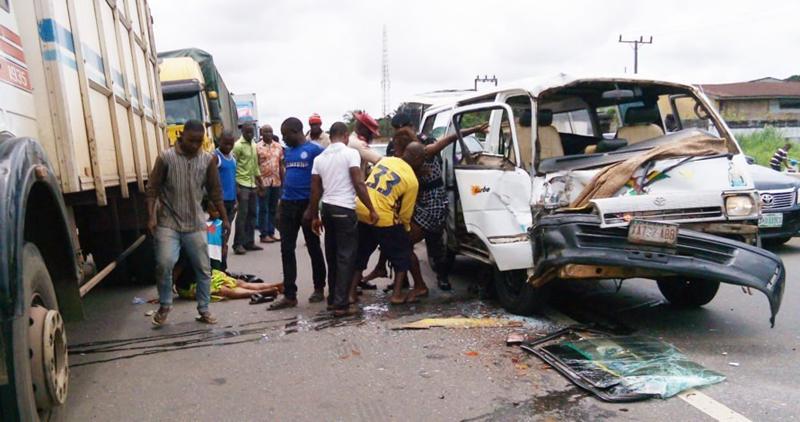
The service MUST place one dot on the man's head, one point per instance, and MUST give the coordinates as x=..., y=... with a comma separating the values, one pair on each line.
x=191, y=139
x=266, y=133
x=292, y=132
x=366, y=126
x=227, y=141
x=402, y=138
x=787, y=146
x=338, y=132
x=248, y=131
x=414, y=155
x=315, y=122
x=401, y=120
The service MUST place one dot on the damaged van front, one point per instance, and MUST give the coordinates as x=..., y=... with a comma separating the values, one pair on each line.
x=628, y=178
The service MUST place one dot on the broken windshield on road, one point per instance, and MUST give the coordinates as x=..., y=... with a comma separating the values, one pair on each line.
x=597, y=123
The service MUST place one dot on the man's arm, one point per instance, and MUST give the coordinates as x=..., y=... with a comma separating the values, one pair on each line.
x=357, y=178
x=153, y=189
x=367, y=154
x=437, y=147
x=409, y=199
x=214, y=188
x=311, y=215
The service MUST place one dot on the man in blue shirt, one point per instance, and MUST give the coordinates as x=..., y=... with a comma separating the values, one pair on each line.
x=298, y=158
x=226, y=163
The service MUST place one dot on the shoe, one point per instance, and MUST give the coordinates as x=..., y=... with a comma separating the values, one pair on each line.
x=444, y=284
x=265, y=239
x=317, y=296
x=275, y=238
x=239, y=250
x=253, y=247
x=284, y=303
x=160, y=317
x=206, y=318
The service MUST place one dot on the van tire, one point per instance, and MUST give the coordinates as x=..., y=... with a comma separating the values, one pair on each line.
x=518, y=296
x=688, y=293
x=37, y=292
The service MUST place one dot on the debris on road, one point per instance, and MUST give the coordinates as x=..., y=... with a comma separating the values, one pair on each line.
x=620, y=368
x=471, y=353
x=458, y=322
x=733, y=363
x=514, y=339
x=150, y=313
x=138, y=301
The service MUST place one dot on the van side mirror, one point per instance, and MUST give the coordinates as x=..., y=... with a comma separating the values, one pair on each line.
x=749, y=159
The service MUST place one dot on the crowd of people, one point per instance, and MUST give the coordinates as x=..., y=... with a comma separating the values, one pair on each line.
x=331, y=185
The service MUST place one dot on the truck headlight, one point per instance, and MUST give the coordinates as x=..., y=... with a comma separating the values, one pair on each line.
x=740, y=206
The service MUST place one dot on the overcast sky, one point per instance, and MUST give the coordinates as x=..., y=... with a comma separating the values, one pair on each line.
x=304, y=56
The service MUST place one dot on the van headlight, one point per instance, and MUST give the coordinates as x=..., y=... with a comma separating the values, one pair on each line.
x=740, y=206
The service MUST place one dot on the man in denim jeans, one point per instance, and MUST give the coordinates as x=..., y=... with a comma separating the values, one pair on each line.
x=177, y=221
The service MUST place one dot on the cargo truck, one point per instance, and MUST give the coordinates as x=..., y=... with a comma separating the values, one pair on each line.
x=246, y=108
x=81, y=123
x=194, y=89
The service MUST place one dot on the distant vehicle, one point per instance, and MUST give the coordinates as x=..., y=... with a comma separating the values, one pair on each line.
x=246, y=108
x=780, y=209
x=81, y=125
x=194, y=89
x=688, y=222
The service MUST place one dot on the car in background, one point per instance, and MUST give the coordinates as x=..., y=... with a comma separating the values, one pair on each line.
x=780, y=210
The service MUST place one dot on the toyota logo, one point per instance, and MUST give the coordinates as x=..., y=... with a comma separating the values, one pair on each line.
x=660, y=201
x=767, y=199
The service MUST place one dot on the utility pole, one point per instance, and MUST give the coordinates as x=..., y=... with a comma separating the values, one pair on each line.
x=636, y=43
x=385, y=81
x=485, y=78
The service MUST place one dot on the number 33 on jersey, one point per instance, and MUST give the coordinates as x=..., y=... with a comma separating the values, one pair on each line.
x=392, y=188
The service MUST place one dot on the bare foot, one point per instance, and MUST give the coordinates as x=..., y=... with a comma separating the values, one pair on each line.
x=397, y=299
x=377, y=273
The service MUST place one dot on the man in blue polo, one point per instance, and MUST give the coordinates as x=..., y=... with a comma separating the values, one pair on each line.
x=299, y=159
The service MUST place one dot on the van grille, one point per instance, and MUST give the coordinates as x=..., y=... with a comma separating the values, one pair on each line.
x=683, y=214
x=775, y=200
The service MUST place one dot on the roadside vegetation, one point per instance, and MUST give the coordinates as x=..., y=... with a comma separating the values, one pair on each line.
x=763, y=143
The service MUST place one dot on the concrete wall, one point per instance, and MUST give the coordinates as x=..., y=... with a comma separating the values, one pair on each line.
x=739, y=112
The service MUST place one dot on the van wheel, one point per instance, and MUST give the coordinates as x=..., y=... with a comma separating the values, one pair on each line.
x=775, y=242
x=516, y=294
x=41, y=371
x=688, y=293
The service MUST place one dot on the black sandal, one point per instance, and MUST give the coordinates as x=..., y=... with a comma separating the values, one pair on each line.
x=258, y=299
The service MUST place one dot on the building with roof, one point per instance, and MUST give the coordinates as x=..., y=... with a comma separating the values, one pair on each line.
x=766, y=101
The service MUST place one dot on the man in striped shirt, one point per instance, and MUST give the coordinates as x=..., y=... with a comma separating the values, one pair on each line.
x=781, y=157
x=180, y=177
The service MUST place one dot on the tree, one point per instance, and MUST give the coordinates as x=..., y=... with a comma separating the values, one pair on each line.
x=793, y=78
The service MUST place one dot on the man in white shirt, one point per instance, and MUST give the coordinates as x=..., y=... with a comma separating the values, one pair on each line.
x=336, y=180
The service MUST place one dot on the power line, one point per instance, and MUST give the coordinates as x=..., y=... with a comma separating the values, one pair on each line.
x=636, y=43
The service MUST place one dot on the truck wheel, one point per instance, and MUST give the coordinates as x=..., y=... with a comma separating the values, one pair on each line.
x=41, y=371
x=775, y=242
x=516, y=294
x=688, y=293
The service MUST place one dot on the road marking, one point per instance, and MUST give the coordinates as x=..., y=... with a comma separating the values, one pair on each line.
x=711, y=407
x=698, y=400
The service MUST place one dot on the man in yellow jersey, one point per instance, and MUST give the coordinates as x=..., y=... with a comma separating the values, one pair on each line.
x=392, y=188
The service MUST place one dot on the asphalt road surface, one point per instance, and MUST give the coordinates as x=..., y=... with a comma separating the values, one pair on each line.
x=301, y=365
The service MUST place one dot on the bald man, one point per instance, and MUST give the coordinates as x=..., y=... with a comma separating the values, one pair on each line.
x=270, y=162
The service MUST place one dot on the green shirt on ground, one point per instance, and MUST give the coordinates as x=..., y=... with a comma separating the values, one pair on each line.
x=246, y=163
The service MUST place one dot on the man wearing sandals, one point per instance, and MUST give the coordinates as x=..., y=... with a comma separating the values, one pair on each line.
x=392, y=186
x=180, y=177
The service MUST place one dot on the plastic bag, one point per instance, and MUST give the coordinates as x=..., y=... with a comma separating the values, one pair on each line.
x=214, y=229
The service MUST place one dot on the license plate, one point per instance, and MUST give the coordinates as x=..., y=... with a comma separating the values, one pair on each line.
x=653, y=233
x=770, y=220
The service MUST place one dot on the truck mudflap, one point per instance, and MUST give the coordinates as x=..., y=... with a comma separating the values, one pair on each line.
x=559, y=240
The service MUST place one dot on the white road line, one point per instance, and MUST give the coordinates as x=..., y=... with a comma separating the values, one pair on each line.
x=711, y=407
x=700, y=401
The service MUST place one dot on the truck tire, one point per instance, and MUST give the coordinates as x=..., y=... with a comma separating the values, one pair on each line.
x=41, y=371
x=775, y=242
x=688, y=293
x=516, y=294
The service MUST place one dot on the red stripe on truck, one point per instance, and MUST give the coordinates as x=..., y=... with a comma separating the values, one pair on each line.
x=10, y=35
x=12, y=50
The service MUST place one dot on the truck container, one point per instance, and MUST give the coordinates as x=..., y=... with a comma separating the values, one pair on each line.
x=81, y=124
x=194, y=89
x=246, y=108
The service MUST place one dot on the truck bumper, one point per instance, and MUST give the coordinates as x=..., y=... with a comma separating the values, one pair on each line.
x=560, y=240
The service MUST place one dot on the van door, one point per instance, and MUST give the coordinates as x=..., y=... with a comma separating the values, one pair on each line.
x=493, y=189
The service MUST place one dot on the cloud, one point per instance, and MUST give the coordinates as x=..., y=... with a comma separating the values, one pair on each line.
x=306, y=56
